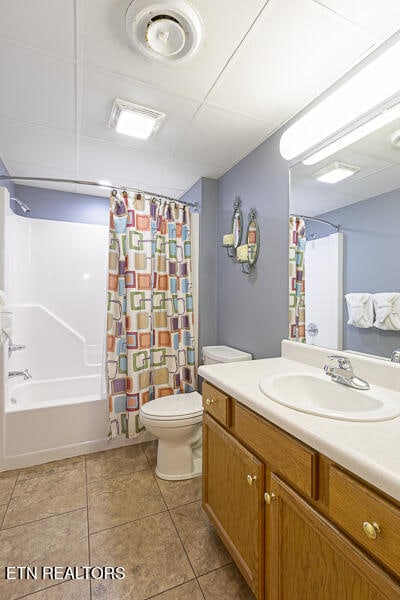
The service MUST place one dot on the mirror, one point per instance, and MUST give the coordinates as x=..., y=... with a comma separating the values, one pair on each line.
x=237, y=223
x=253, y=238
x=358, y=189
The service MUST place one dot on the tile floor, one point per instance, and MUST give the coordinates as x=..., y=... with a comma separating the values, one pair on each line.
x=110, y=509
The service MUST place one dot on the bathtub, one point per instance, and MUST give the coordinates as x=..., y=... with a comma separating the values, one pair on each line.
x=52, y=419
x=31, y=395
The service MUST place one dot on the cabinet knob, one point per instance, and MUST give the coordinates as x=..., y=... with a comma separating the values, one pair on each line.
x=251, y=478
x=210, y=401
x=371, y=530
x=269, y=497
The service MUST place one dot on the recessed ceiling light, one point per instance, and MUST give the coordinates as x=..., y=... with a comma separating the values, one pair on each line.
x=335, y=172
x=134, y=120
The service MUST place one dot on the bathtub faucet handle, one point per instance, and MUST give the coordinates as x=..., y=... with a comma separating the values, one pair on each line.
x=14, y=347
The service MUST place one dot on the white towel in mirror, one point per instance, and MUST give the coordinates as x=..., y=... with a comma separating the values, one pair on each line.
x=387, y=310
x=361, y=310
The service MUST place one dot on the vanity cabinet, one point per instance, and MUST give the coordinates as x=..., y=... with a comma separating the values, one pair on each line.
x=233, y=497
x=296, y=524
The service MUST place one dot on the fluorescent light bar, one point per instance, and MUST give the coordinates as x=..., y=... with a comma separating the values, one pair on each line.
x=134, y=120
x=370, y=87
x=335, y=172
x=357, y=134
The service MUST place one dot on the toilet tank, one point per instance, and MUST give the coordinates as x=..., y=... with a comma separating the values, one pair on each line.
x=223, y=354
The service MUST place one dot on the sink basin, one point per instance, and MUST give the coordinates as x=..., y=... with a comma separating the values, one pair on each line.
x=318, y=395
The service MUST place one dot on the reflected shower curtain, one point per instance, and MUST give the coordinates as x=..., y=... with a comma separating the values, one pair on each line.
x=297, y=247
x=150, y=345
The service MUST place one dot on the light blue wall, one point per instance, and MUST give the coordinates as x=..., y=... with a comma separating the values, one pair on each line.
x=371, y=258
x=63, y=206
x=205, y=192
x=252, y=311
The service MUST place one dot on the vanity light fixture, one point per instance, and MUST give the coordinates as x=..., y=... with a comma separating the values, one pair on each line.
x=134, y=120
x=335, y=172
x=369, y=88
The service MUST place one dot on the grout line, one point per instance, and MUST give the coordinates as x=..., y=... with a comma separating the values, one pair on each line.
x=88, y=534
x=109, y=477
x=48, y=587
x=67, y=512
x=8, y=504
x=160, y=512
x=48, y=474
x=174, y=587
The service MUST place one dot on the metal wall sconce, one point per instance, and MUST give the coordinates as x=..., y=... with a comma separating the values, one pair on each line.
x=231, y=241
x=247, y=254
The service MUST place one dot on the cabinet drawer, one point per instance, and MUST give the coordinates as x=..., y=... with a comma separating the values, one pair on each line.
x=292, y=460
x=216, y=404
x=359, y=511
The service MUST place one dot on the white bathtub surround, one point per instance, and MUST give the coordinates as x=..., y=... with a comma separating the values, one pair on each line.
x=387, y=311
x=151, y=350
x=368, y=449
x=54, y=277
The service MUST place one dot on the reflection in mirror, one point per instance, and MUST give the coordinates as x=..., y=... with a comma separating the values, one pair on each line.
x=253, y=238
x=358, y=188
x=237, y=223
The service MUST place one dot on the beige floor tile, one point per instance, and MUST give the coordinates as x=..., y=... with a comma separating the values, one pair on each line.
x=7, y=482
x=2, y=512
x=57, y=466
x=151, y=553
x=71, y=590
x=122, y=499
x=182, y=592
x=205, y=550
x=176, y=493
x=46, y=496
x=60, y=540
x=112, y=463
x=225, y=584
x=150, y=450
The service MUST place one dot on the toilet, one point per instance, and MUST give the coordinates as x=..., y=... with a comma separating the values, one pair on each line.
x=176, y=421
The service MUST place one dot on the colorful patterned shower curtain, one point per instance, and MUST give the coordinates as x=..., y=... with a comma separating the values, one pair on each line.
x=297, y=247
x=150, y=345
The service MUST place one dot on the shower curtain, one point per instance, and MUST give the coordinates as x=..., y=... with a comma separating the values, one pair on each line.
x=150, y=345
x=297, y=247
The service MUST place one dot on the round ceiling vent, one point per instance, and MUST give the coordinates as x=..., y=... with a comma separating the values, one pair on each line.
x=169, y=31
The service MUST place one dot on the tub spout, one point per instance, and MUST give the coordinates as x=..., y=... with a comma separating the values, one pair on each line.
x=25, y=374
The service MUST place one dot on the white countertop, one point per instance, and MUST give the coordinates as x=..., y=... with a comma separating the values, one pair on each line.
x=371, y=450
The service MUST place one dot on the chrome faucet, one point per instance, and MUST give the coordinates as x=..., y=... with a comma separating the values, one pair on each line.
x=14, y=347
x=342, y=372
x=25, y=374
x=395, y=356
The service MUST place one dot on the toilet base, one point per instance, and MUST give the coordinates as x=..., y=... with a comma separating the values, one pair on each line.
x=197, y=471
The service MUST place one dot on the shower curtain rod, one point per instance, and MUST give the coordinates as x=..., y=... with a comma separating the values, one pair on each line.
x=195, y=205
x=337, y=227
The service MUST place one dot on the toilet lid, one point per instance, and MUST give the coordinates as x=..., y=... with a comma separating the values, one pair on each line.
x=177, y=406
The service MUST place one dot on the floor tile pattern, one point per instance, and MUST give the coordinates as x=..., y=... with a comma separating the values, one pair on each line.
x=109, y=508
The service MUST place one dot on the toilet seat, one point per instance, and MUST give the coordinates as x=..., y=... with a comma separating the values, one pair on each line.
x=177, y=407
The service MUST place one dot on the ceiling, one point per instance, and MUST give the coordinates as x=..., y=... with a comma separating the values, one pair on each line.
x=378, y=161
x=62, y=62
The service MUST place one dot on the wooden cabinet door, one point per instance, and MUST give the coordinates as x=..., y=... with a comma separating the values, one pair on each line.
x=233, y=486
x=311, y=560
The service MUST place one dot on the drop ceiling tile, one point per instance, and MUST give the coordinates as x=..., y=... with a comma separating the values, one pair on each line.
x=293, y=53
x=374, y=184
x=36, y=87
x=225, y=22
x=37, y=145
x=32, y=170
x=221, y=138
x=46, y=24
x=119, y=164
x=380, y=19
x=99, y=91
x=183, y=174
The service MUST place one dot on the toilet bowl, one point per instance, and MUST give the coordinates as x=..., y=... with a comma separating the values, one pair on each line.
x=176, y=421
